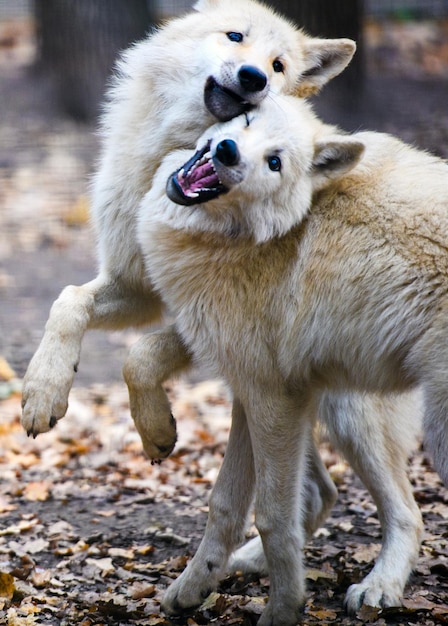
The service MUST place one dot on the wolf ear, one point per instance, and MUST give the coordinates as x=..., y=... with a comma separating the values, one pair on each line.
x=324, y=59
x=333, y=157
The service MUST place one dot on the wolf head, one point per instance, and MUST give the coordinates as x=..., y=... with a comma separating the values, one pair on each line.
x=256, y=51
x=256, y=174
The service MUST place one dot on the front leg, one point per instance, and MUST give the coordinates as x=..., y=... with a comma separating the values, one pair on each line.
x=318, y=497
x=153, y=359
x=230, y=502
x=280, y=432
x=101, y=303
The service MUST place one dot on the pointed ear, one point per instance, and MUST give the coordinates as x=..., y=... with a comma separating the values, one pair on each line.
x=324, y=59
x=333, y=157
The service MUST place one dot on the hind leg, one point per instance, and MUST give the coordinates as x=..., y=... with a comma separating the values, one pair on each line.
x=374, y=435
x=436, y=427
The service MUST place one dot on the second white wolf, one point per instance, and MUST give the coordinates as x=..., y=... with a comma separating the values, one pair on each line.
x=299, y=261
x=221, y=59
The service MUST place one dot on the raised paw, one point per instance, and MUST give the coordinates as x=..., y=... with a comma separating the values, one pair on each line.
x=45, y=397
x=158, y=438
x=151, y=412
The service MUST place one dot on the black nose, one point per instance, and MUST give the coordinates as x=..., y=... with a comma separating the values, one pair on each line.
x=227, y=152
x=251, y=79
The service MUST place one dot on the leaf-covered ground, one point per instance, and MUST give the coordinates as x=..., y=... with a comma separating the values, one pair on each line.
x=91, y=533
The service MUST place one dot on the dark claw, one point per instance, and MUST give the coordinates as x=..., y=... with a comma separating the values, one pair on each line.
x=53, y=421
x=206, y=593
x=75, y=367
x=29, y=431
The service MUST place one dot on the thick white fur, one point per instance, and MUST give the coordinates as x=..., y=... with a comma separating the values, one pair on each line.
x=156, y=104
x=298, y=309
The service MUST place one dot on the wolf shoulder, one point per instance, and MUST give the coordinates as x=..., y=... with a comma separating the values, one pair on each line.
x=397, y=193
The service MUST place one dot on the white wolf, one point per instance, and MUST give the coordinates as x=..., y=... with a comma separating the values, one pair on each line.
x=216, y=62
x=317, y=263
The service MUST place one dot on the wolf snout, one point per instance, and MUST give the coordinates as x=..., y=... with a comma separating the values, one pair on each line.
x=227, y=152
x=251, y=79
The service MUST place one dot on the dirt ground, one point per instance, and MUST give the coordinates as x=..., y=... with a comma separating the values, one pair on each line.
x=90, y=532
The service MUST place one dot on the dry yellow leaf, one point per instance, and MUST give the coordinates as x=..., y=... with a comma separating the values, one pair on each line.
x=37, y=491
x=6, y=371
x=78, y=214
x=6, y=585
x=17, y=620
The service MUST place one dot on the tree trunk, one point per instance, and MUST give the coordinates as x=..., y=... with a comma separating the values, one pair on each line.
x=78, y=44
x=342, y=101
x=331, y=18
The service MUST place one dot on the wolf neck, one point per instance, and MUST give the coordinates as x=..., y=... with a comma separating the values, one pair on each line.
x=207, y=278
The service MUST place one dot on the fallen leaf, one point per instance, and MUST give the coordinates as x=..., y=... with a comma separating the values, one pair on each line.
x=7, y=587
x=121, y=552
x=105, y=565
x=6, y=507
x=17, y=620
x=366, y=553
x=6, y=371
x=139, y=591
x=322, y=614
x=41, y=577
x=35, y=546
x=315, y=574
x=368, y=613
x=22, y=526
x=38, y=491
x=78, y=214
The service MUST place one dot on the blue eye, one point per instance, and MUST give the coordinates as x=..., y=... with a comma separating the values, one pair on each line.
x=236, y=37
x=274, y=163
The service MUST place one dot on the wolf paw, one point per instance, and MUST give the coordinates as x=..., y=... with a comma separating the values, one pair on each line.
x=186, y=593
x=249, y=559
x=373, y=591
x=150, y=410
x=283, y=615
x=158, y=443
x=45, y=396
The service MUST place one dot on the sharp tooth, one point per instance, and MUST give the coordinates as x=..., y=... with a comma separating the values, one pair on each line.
x=181, y=173
x=192, y=194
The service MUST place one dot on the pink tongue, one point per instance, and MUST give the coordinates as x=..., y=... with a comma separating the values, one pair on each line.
x=202, y=177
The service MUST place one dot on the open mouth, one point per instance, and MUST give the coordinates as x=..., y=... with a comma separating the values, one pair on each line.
x=223, y=103
x=196, y=181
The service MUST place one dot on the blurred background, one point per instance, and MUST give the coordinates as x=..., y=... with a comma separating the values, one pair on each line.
x=55, y=59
